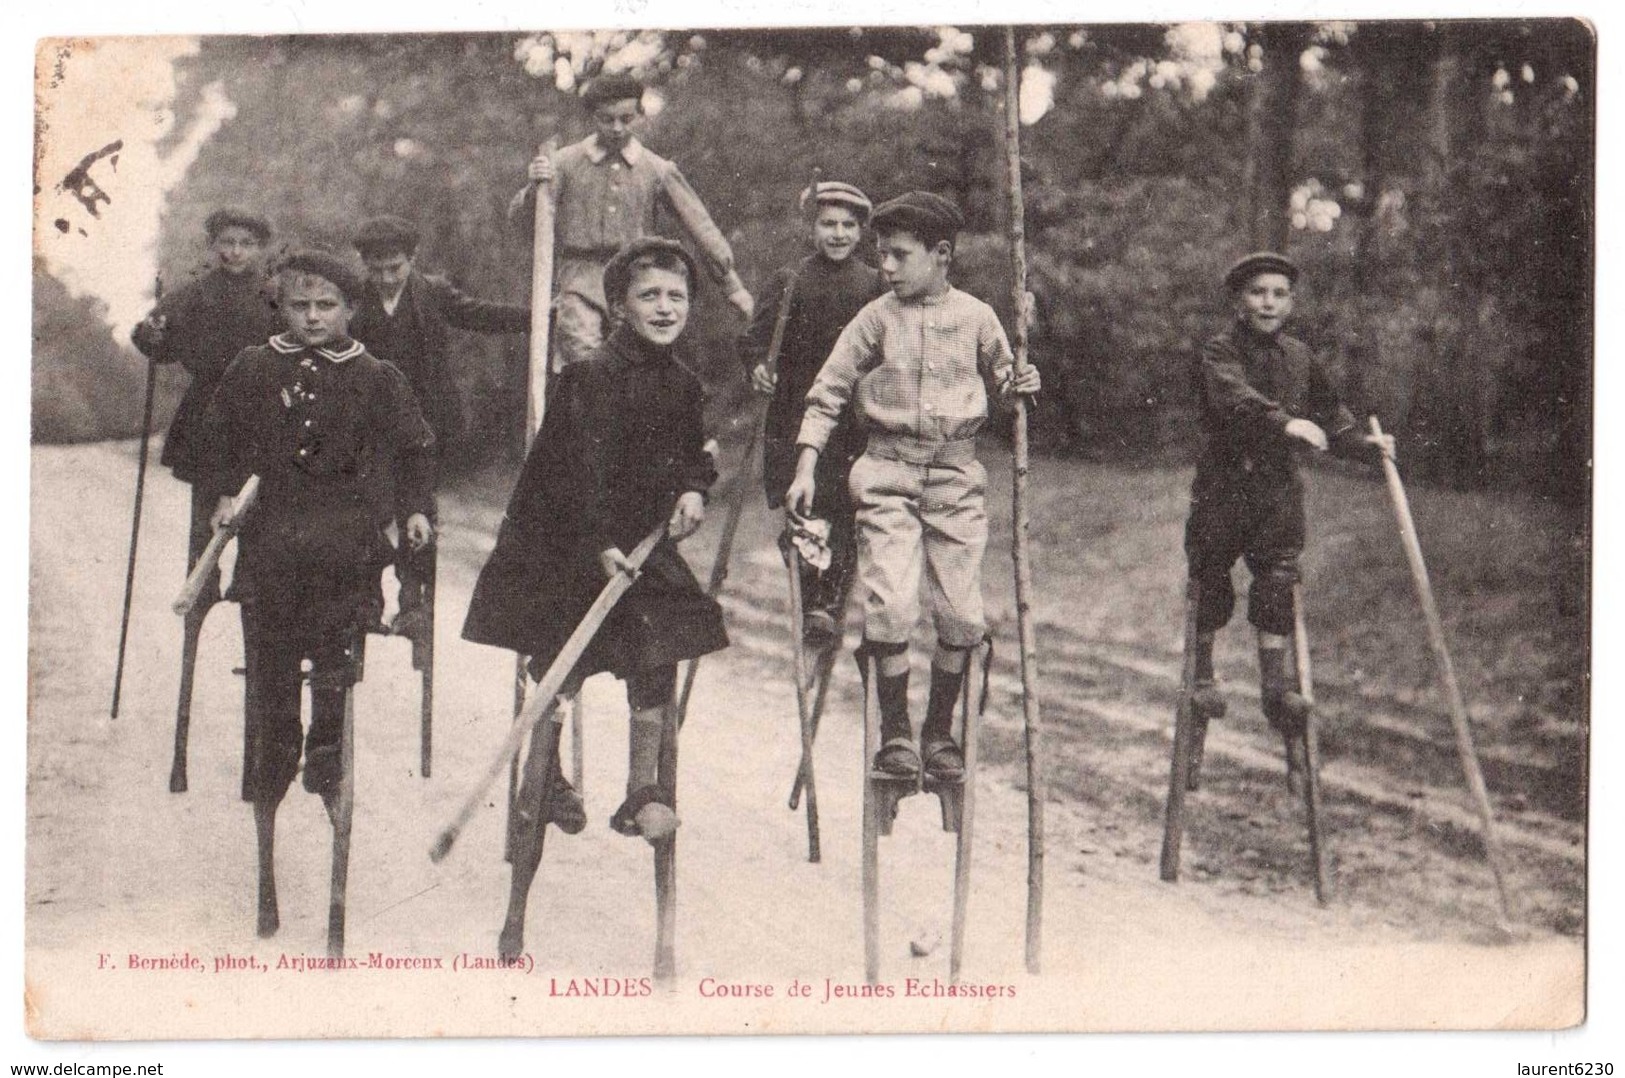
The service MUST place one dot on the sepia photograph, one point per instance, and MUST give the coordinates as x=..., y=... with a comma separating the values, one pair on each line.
x=861, y=528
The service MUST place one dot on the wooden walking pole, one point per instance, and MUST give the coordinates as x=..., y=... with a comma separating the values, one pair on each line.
x=1019, y=524
x=135, y=521
x=542, y=700
x=1447, y=675
x=541, y=325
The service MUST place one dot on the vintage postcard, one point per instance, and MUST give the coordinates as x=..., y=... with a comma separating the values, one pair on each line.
x=1182, y=619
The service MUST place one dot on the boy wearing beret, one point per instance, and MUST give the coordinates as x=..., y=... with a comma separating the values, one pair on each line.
x=918, y=366
x=608, y=189
x=335, y=436
x=202, y=326
x=1263, y=395
x=405, y=317
x=825, y=291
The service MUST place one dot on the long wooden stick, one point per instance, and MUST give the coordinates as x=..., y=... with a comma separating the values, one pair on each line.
x=541, y=326
x=1447, y=675
x=1036, y=790
x=135, y=521
x=207, y=562
x=1311, y=748
x=541, y=700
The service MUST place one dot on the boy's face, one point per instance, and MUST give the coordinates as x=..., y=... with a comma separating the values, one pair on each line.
x=236, y=249
x=316, y=311
x=1265, y=301
x=911, y=268
x=613, y=122
x=835, y=232
x=656, y=305
x=388, y=272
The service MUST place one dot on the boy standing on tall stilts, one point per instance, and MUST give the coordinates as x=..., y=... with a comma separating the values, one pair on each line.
x=340, y=448
x=1263, y=394
x=608, y=189
x=405, y=318
x=918, y=366
x=825, y=290
x=621, y=449
x=203, y=326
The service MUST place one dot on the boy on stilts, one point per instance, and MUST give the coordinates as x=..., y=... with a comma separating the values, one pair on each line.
x=622, y=448
x=202, y=326
x=405, y=317
x=1263, y=394
x=918, y=366
x=825, y=290
x=341, y=449
x=609, y=188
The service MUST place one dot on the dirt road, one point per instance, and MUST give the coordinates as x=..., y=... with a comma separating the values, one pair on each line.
x=118, y=867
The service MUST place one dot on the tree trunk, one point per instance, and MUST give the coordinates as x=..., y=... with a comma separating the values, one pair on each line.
x=1447, y=434
x=1272, y=113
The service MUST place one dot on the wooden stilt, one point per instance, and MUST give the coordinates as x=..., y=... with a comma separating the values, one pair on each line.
x=344, y=810
x=423, y=659
x=871, y=820
x=969, y=737
x=798, y=648
x=1311, y=744
x=268, y=919
x=191, y=632
x=665, y=858
x=1185, y=735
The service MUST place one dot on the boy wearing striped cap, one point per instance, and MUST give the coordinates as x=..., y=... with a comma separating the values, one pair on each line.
x=825, y=291
x=917, y=366
x=1263, y=395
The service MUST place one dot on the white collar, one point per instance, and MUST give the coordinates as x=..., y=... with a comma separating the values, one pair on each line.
x=288, y=344
x=630, y=152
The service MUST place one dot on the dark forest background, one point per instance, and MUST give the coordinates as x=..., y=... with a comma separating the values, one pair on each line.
x=1434, y=179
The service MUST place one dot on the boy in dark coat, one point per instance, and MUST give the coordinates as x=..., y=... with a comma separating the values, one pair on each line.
x=405, y=317
x=335, y=436
x=621, y=449
x=202, y=326
x=825, y=290
x=1264, y=395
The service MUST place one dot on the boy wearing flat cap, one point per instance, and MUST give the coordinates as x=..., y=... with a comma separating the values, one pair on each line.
x=202, y=326
x=405, y=317
x=825, y=291
x=608, y=189
x=1263, y=395
x=335, y=436
x=918, y=366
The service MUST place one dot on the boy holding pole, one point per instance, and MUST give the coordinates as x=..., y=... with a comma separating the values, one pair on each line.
x=609, y=188
x=1263, y=395
x=918, y=366
x=825, y=290
x=341, y=449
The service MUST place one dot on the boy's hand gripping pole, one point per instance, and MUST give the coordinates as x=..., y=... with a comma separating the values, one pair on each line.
x=1447, y=675
x=242, y=505
x=541, y=701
